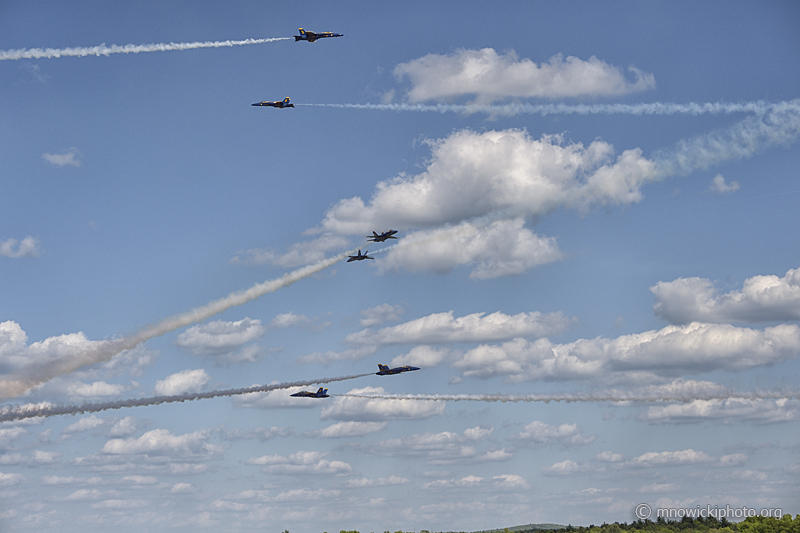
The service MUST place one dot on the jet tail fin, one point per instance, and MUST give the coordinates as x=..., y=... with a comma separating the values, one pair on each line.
x=381, y=367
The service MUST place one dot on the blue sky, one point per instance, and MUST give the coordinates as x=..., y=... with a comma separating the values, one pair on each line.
x=618, y=252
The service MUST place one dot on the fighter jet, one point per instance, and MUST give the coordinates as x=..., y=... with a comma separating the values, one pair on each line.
x=383, y=236
x=279, y=104
x=310, y=36
x=359, y=256
x=386, y=371
x=321, y=393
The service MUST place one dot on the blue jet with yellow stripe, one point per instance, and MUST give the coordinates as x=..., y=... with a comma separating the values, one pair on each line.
x=280, y=104
x=384, y=370
x=321, y=393
x=310, y=36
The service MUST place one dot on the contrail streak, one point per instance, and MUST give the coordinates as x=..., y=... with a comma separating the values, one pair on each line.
x=655, y=108
x=45, y=409
x=608, y=396
x=100, y=351
x=103, y=50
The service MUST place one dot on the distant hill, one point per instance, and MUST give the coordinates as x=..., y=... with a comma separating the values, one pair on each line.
x=524, y=529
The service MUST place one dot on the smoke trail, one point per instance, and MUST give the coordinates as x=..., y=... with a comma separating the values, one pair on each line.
x=656, y=108
x=37, y=374
x=608, y=396
x=45, y=409
x=103, y=50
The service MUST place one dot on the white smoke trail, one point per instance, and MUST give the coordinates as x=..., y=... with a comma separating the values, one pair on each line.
x=45, y=409
x=656, y=108
x=103, y=50
x=37, y=374
x=599, y=396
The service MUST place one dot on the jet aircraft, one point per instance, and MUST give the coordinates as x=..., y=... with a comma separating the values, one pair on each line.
x=279, y=104
x=310, y=36
x=383, y=236
x=359, y=256
x=321, y=393
x=384, y=370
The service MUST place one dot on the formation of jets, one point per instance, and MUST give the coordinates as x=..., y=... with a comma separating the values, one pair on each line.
x=279, y=104
x=310, y=36
x=383, y=370
x=359, y=256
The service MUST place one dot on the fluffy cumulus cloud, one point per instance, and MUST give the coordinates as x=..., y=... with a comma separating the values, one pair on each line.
x=500, y=248
x=63, y=159
x=349, y=429
x=652, y=355
x=422, y=356
x=379, y=314
x=492, y=76
x=160, y=442
x=378, y=410
x=718, y=185
x=27, y=247
x=730, y=411
x=440, y=448
x=477, y=327
x=566, y=435
x=470, y=175
x=181, y=382
x=15, y=353
x=762, y=298
x=220, y=337
x=300, y=463
x=470, y=204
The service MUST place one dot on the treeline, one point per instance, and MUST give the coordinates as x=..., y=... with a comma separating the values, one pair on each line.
x=758, y=524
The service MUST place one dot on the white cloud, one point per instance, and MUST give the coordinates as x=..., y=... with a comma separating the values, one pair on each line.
x=379, y=482
x=730, y=411
x=287, y=320
x=94, y=390
x=28, y=247
x=496, y=171
x=181, y=382
x=124, y=427
x=87, y=423
x=652, y=355
x=14, y=354
x=66, y=158
x=566, y=435
x=500, y=248
x=219, y=337
x=7, y=480
x=350, y=429
x=492, y=76
x=8, y=435
x=70, y=480
x=566, y=468
x=477, y=327
x=610, y=457
x=439, y=448
x=160, y=442
x=422, y=356
x=762, y=299
x=366, y=410
x=719, y=186
x=677, y=458
x=379, y=314
x=300, y=463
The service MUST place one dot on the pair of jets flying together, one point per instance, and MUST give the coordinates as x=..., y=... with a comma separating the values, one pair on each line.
x=309, y=36
x=383, y=370
x=373, y=238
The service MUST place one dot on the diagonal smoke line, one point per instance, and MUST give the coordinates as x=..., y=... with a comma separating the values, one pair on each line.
x=103, y=50
x=21, y=412
x=36, y=374
x=655, y=108
x=608, y=396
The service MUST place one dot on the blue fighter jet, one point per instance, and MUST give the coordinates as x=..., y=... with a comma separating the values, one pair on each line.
x=384, y=370
x=310, y=36
x=383, y=236
x=359, y=256
x=279, y=104
x=321, y=393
